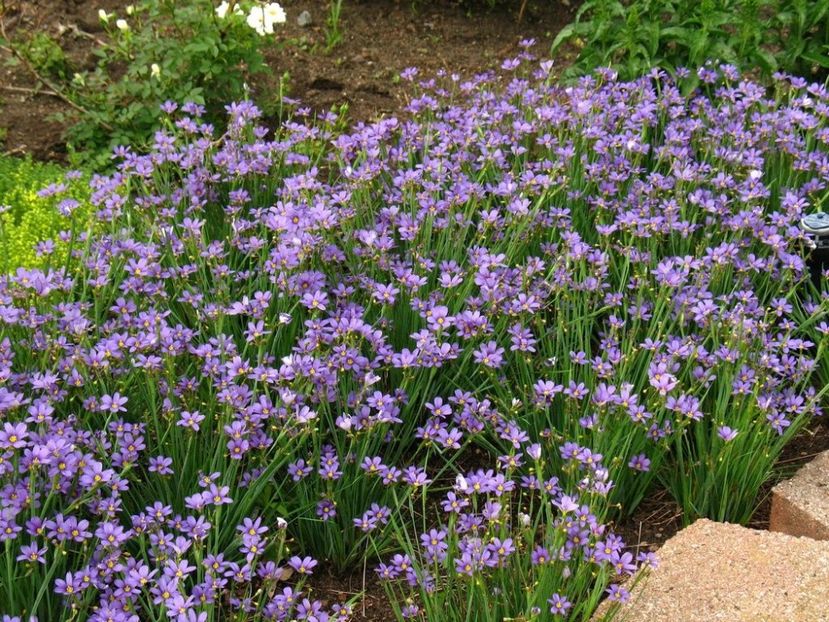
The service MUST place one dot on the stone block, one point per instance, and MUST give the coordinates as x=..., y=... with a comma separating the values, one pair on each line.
x=719, y=572
x=800, y=505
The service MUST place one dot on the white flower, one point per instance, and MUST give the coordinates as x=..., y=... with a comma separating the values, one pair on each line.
x=155, y=71
x=103, y=16
x=284, y=318
x=281, y=523
x=130, y=9
x=224, y=7
x=524, y=519
x=461, y=485
x=567, y=504
x=274, y=14
x=288, y=396
x=263, y=19
x=122, y=25
x=256, y=20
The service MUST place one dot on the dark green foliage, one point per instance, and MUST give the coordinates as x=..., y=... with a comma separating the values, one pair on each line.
x=755, y=35
x=159, y=50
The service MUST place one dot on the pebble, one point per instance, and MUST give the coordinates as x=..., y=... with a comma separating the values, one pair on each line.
x=304, y=19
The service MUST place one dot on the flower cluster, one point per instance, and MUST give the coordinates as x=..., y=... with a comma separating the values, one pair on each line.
x=575, y=289
x=489, y=558
x=262, y=18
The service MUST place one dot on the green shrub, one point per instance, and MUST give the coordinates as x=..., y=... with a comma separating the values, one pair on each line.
x=766, y=35
x=158, y=50
x=30, y=194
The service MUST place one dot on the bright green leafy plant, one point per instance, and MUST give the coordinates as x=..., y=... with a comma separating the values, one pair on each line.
x=32, y=217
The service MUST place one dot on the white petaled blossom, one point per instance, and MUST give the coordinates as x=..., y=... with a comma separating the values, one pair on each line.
x=155, y=70
x=122, y=25
x=275, y=14
x=103, y=16
x=263, y=19
x=224, y=7
x=256, y=20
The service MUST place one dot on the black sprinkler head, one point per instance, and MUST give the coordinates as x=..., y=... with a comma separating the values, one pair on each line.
x=816, y=227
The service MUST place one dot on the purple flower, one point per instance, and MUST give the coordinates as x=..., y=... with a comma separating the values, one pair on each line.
x=622, y=562
x=617, y=593
x=161, y=465
x=489, y=355
x=30, y=553
x=559, y=605
x=114, y=403
x=540, y=556
x=302, y=565
x=640, y=462
x=13, y=436
x=326, y=509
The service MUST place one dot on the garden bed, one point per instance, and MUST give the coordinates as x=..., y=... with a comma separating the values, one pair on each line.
x=392, y=266
x=380, y=39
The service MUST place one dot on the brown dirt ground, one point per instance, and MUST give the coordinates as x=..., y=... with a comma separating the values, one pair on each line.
x=380, y=38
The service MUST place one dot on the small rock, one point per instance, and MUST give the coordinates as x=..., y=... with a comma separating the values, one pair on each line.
x=304, y=19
